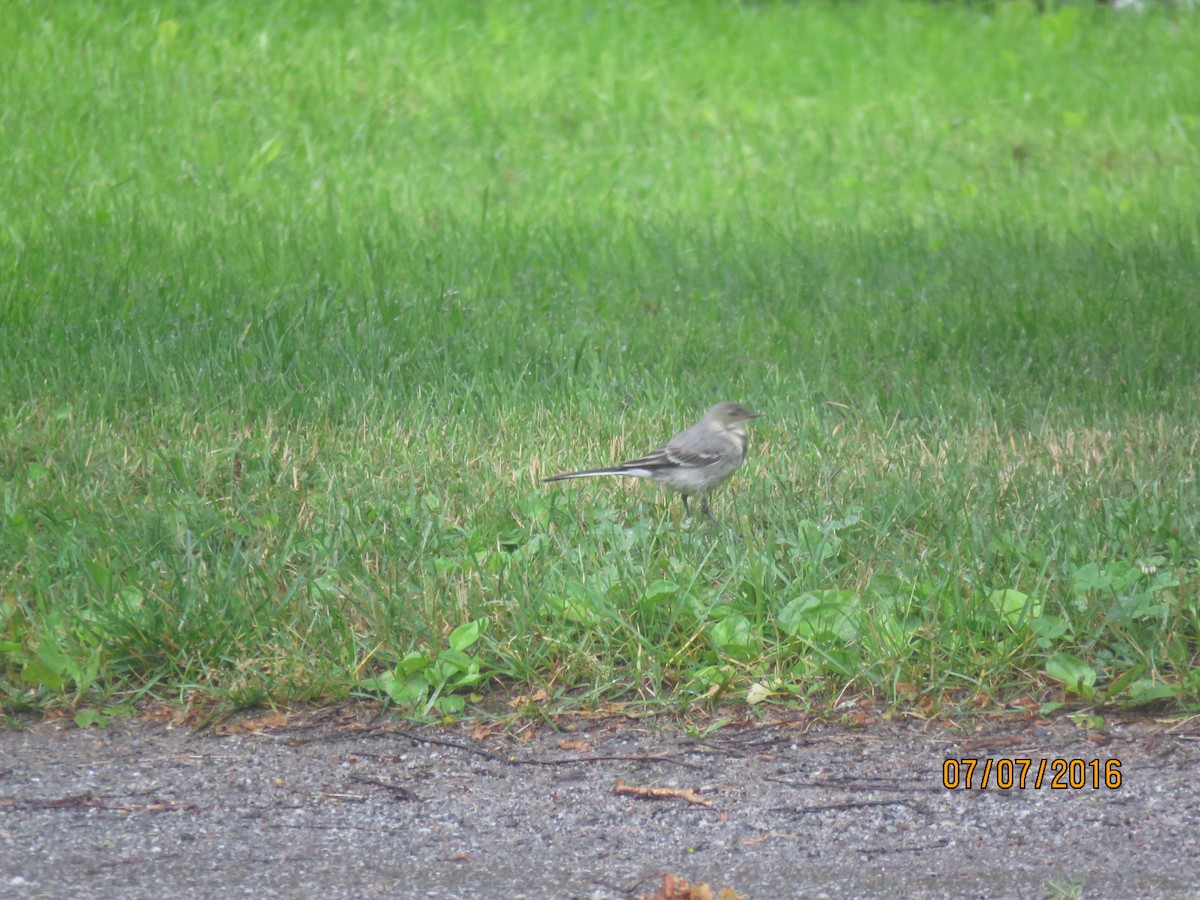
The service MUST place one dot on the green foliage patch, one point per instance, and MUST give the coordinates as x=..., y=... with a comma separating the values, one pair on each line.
x=299, y=301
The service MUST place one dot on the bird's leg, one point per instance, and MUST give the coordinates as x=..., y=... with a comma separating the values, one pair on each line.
x=704, y=508
x=685, y=506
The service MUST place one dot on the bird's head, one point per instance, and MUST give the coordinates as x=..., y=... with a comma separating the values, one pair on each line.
x=729, y=414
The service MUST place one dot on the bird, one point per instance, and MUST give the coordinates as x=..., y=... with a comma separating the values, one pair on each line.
x=693, y=462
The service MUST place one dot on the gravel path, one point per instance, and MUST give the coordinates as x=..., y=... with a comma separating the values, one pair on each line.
x=327, y=804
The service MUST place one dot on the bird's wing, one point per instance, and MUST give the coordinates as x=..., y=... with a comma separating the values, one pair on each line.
x=697, y=457
x=687, y=450
x=656, y=459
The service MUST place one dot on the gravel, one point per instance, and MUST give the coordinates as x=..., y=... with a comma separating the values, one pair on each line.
x=331, y=804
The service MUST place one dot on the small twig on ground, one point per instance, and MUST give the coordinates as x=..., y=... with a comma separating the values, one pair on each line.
x=650, y=793
x=399, y=791
x=514, y=761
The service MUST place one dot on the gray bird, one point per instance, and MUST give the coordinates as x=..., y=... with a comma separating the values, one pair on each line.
x=696, y=460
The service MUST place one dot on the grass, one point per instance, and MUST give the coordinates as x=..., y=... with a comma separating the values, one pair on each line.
x=301, y=299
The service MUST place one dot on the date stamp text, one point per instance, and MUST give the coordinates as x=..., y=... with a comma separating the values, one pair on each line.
x=1057, y=774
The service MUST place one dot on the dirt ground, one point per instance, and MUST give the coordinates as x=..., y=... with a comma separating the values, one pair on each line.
x=335, y=804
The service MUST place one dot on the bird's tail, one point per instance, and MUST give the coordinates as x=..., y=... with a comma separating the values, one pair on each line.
x=590, y=473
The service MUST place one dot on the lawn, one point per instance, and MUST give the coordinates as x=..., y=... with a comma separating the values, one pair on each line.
x=300, y=300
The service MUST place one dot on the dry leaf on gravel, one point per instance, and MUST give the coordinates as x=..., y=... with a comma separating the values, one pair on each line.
x=673, y=888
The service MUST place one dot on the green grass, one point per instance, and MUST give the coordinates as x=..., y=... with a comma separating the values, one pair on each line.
x=299, y=301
